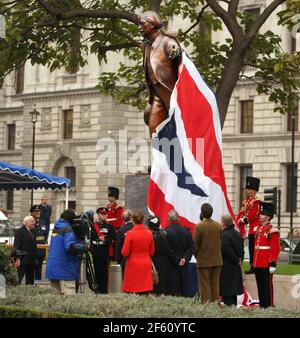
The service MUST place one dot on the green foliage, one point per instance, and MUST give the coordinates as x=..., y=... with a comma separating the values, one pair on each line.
x=281, y=269
x=6, y=269
x=56, y=41
x=44, y=302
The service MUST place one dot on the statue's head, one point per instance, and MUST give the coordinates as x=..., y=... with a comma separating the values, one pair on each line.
x=152, y=18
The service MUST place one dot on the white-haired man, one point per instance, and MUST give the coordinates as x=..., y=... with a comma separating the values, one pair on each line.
x=25, y=242
x=180, y=252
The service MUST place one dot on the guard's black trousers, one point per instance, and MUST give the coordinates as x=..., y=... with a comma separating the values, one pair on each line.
x=101, y=266
x=251, y=240
x=264, y=281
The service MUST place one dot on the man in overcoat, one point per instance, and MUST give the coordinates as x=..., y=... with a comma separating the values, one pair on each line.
x=207, y=246
x=25, y=242
x=180, y=252
x=231, y=282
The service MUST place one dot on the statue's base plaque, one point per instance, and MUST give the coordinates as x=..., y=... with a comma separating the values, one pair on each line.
x=136, y=191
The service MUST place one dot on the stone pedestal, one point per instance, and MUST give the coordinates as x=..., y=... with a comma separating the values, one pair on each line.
x=136, y=191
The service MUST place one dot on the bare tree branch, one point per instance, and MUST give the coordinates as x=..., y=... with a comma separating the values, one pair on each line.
x=84, y=12
x=233, y=6
x=120, y=46
x=199, y=16
x=228, y=19
x=155, y=5
x=261, y=20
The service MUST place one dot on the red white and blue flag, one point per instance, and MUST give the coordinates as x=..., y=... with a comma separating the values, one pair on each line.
x=187, y=168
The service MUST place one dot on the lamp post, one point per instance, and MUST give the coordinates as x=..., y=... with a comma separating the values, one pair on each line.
x=34, y=117
x=292, y=194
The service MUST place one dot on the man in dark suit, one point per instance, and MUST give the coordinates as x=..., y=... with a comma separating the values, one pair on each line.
x=25, y=242
x=180, y=252
x=46, y=211
x=128, y=225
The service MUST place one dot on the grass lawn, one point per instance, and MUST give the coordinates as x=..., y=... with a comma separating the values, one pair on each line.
x=281, y=269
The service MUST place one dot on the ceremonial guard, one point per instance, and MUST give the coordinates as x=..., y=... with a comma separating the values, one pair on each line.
x=266, y=252
x=114, y=214
x=40, y=233
x=249, y=215
x=102, y=236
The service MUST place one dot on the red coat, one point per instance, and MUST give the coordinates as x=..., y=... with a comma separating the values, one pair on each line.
x=266, y=246
x=114, y=215
x=138, y=248
x=251, y=210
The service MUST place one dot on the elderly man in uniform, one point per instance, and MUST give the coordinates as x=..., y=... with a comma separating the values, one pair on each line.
x=102, y=236
x=162, y=55
x=266, y=252
x=249, y=214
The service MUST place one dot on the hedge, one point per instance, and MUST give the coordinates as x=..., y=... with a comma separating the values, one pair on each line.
x=42, y=301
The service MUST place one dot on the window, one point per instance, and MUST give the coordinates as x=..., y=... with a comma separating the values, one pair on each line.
x=70, y=172
x=251, y=15
x=10, y=199
x=247, y=116
x=291, y=170
x=289, y=119
x=19, y=84
x=68, y=124
x=11, y=136
x=245, y=170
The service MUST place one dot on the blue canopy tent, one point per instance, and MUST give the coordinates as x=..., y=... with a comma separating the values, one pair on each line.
x=16, y=177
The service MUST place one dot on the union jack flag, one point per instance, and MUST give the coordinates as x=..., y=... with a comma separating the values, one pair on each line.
x=187, y=168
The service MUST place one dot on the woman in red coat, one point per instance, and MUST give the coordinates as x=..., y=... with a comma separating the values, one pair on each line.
x=138, y=248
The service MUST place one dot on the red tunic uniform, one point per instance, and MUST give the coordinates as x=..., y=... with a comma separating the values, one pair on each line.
x=250, y=210
x=138, y=248
x=266, y=246
x=114, y=215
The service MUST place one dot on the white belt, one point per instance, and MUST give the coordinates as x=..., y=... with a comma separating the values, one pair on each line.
x=262, y=247
x=97, y=243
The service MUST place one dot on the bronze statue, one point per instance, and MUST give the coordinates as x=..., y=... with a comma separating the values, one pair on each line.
x=162, y=55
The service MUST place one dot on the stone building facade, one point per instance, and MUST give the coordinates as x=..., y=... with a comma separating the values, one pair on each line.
x=86, y=136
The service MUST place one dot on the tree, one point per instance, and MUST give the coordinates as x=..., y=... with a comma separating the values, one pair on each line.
x=61, y=33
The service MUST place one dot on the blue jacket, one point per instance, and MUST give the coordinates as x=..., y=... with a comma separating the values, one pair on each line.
x=63, y=262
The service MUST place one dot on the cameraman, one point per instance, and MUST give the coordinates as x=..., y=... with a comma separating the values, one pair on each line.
x=62, y=266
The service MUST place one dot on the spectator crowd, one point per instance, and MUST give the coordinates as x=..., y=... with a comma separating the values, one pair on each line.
x=137, y=244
